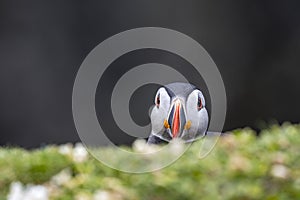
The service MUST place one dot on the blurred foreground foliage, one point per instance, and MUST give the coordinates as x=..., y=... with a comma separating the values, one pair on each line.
x=241, y=166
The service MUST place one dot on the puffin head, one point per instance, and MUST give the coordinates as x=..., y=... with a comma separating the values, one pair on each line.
x=179, y=112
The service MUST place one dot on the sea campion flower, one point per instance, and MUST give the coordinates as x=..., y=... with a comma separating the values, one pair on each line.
x=177, y=146
x=16, y=191
x=79, y=153
x=106, y=195
x=141, y=146
x=280, y=171
x=66, y=149
x=31, y=192
x=62, y=177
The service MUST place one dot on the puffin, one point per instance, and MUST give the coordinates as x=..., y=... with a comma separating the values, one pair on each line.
x=179, y=112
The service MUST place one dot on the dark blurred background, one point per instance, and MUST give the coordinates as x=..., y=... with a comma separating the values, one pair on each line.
x=255, y=44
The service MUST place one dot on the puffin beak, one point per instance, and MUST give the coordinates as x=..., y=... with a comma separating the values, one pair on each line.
x=176, y=119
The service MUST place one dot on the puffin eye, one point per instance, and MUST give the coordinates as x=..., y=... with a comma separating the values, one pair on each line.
x=199, y=104
x=157, y=101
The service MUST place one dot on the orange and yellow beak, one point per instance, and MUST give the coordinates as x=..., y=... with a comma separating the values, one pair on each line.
x=176, y=119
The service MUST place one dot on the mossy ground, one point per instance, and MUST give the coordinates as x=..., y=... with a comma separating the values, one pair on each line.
x=241, y=166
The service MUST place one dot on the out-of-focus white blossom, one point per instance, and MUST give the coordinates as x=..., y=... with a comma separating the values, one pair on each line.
x=79, y=153
x=238, y=162
x=16, y=191
x=177, y=146
x=62, y=177
x=102, y=195
x=33, y=192
x=36, y=192
x=280, y=171
x=141, y=146
x=83, y=196
x=66, y=149
x=106, y=195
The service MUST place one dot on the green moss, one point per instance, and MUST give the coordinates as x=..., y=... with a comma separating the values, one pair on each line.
x=241, y=166
x=33, y=167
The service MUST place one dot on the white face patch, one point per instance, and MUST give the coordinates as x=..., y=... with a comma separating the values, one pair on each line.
x=197, y=115
x=160, y=111
x=192, y=102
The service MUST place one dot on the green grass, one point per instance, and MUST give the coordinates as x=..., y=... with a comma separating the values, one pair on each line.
x=241, y=166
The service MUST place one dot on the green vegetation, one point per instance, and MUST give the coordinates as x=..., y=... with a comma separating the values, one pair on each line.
x=241, y=166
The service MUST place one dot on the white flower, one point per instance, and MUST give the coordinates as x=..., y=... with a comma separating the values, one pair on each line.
x=141, y=146
x=106, y=195
x=34, y=192
x=66, y=149
x=82, y=197
x=62, y=177
x=79, y=153
x=238, y=162
x=102, y=195
x=280, y=171
x=16, y=191
x=176, y=146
